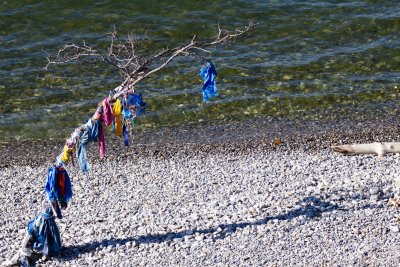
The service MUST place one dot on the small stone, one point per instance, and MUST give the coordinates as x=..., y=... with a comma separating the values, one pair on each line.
x=374, y=197
x=374, y=191
x=100, y=219
x=369, y=212
x=199, y=238
x=394, y=228
x=89, y=231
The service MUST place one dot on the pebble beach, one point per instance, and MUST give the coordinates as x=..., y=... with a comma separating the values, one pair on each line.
x=254, y=193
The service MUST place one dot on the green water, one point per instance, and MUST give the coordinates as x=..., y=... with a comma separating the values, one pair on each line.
x=316, y=60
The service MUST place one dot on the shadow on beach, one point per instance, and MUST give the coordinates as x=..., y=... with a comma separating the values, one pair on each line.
x=312, y=207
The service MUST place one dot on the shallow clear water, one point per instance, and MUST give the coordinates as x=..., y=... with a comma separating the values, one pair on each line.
x=317, y=60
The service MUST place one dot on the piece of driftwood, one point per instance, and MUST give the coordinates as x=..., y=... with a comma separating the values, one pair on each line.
x=379, y=149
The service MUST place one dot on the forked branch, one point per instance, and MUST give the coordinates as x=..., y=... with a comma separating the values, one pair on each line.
x=131, y=59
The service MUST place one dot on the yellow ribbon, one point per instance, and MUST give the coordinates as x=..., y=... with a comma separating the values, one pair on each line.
x=66, y=155
x=117, y=109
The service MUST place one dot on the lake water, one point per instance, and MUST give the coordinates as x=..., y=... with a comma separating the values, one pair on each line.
x=315, y=60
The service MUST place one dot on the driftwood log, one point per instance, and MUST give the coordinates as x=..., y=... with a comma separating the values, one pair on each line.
x=379, y=149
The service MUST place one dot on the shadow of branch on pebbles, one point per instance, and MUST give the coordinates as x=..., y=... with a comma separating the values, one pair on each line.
x=311, y=207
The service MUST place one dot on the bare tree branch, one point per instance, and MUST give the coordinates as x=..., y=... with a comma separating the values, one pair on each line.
x=129, y=57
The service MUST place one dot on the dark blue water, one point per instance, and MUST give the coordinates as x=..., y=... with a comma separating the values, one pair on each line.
x=315, y=60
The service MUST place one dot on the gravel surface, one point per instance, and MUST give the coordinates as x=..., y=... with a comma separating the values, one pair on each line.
x=234, y=203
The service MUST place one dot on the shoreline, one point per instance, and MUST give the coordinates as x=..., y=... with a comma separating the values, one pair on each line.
x=250, y=133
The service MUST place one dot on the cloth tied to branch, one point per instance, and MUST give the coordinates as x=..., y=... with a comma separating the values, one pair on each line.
x=134, y=106
x=44, y=234
x=136, y=100
x=102, y=143
x=67, y=153
x=108, y=115
x=58, y=186
x=208, y=74
x=90, y=134
x=117, y=109
x=126, y=135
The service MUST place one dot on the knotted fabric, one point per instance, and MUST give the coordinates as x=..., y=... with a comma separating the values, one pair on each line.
x=58, y=185
x=107, y=112
x=208, y=74
x=90, y=134
x=67, y=153
x=45, y=234
x=117, y=109
x=126, y=135
x=102, y=144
